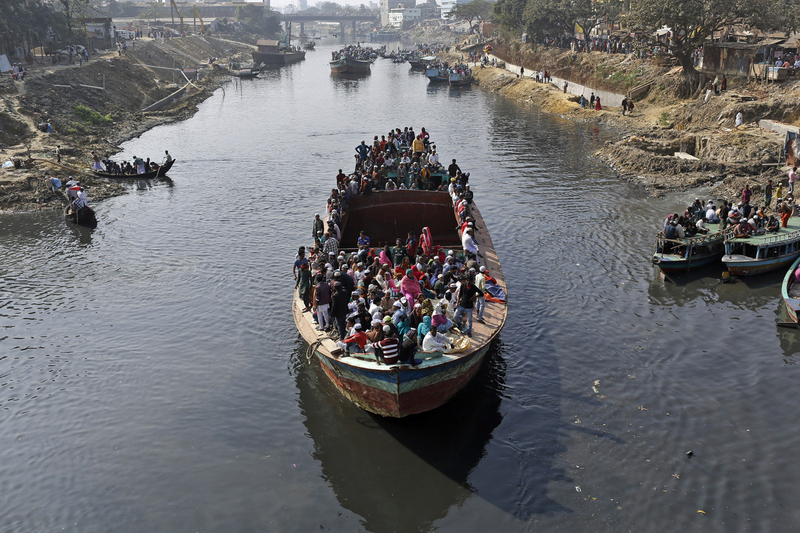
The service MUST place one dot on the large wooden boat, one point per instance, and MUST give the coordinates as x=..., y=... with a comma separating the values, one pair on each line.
x=84, y=217
x=347, y=65
x=161, y=172
x=271, y=52
x=402, y=390
x=682, y=255
x=790, y=290
x=747, y=256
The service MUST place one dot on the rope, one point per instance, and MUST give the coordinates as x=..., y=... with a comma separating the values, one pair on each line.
x=311, y=349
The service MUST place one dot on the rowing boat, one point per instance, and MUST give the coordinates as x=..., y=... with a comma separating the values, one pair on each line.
x=161, y=172
x=85, y=216
x=790, y=290
x=402, y=389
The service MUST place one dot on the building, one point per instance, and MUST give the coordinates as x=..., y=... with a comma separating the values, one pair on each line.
x=302, y=5
x=401, y=17
x=288, y=10
x=430, y=10
x=386, y=6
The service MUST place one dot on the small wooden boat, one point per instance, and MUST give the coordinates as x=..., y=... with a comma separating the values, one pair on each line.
x=402, y=389
x=790, y=290
x=689, y=253
x=747, y=256
x=161, y=172
x=347, y=65
x=309, y=45
x=246, y=73
x=84, y=217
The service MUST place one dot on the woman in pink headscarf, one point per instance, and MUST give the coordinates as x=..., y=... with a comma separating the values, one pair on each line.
x=409, y=286
x=383, y=258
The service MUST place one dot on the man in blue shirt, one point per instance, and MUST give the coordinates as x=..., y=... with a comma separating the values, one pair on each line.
x=363, y=246
x=363, y=151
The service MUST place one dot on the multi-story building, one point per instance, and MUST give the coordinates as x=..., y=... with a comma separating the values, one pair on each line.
x=386, y=6
x=447, y=5
x=402, y=17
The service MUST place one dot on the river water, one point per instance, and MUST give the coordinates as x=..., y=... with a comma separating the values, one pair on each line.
x=152, y=379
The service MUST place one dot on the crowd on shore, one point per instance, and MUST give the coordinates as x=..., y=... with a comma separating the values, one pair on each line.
x=385, y=302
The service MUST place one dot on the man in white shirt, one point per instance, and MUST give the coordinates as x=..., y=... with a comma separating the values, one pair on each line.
x=480, y=283
x=434, y=158
x=468, y=243
x=435, y=342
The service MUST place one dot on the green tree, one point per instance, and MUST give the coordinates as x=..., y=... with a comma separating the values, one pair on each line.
x=73, y=11
x=509, y=13
x=474, y=10
x=547, y=17
x=258, y=20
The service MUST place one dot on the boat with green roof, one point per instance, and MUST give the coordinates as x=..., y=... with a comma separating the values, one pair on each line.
x=689, y=253
x=747, y=256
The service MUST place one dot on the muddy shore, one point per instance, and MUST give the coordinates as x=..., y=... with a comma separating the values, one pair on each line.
x=97, y=106
x=721, y=159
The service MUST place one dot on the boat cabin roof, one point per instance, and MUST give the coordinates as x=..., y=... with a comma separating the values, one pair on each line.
x=784, y=235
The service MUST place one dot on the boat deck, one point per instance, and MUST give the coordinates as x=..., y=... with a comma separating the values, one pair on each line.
x=792, y=231
x=495, y=314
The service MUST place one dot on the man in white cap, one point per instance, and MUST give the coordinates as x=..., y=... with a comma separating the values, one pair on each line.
x=468, y=243
x=480, y=283
x=356, y=342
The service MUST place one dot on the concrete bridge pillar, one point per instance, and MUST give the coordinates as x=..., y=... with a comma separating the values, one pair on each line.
x=355, y=29
x=302, y=29
x=341, y=31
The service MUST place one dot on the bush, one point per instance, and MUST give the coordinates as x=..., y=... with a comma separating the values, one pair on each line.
x=91, y=116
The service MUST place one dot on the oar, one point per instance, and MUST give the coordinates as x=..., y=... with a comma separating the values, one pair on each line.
x=787, y=325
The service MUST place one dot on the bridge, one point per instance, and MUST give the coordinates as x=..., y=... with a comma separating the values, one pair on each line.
x=341, y=18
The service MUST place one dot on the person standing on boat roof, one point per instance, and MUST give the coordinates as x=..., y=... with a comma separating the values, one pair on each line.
x=453, y=169
x=363, y=151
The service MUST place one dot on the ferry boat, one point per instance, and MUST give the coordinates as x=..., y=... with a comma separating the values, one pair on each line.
x=747, y=256
x=400, y=390
x=790, y=290
x=689, y=253
x=347, y=65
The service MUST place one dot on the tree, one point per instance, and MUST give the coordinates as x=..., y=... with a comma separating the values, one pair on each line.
x=73, y=10
x=691, y=22
x=258, y=20
x=474, y=10
x=547, y=17
x=509, y=13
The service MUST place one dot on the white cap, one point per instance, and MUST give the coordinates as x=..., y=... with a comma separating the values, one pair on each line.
x=483, y=269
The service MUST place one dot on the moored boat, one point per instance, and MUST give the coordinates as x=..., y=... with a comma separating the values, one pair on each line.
x=460, y=76
x=790, y=290
x=272, y=52
x=161, y=172
x=85, y=216
x=688, y=253
x=438, y=74
x=309, y=45
x=399, y=390
x=747, y=256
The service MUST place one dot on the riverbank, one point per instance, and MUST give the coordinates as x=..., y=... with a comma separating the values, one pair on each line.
x=666, y=143
x=97, y=106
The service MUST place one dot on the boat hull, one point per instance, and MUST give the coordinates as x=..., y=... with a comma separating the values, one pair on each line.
x=673, y=263
x=790, y=297
x=161, y=172
x=85, y=217
x=746, y=266
x=402, y=391
x=350, y=66
x=278, y=58
x=436, y=75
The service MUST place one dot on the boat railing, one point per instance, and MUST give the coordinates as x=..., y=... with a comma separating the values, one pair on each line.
x=774, y=239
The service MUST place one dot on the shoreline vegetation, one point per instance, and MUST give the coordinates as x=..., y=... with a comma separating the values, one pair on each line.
x=722, y=159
